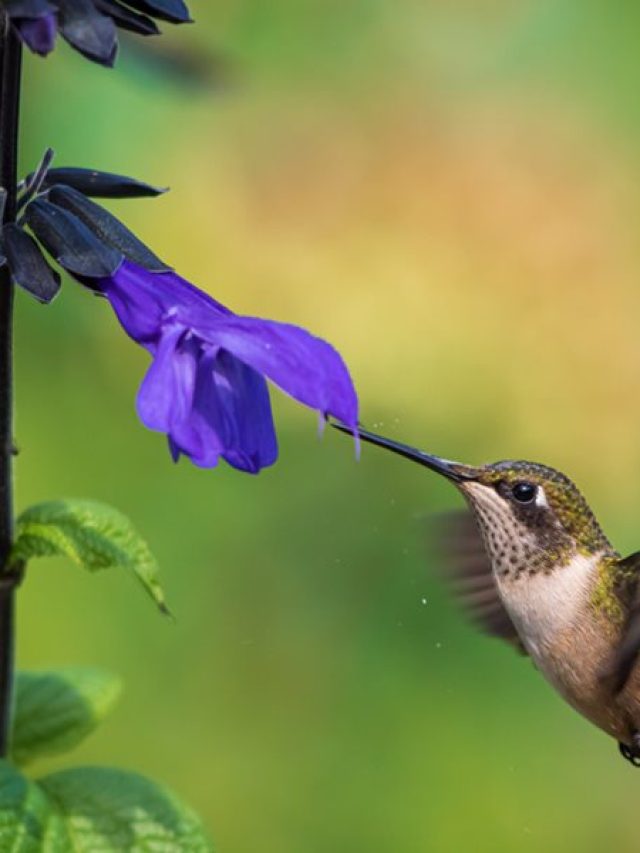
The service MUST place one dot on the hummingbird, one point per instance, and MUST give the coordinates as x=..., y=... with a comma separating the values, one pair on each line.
x=531, y=565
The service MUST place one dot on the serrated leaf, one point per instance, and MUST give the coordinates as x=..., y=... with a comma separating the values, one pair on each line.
x=94, y=810
x=56, y=710
x=93, y=535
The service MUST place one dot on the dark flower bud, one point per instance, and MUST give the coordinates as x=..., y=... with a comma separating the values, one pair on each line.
x=127, y=19
x=89, y=26
x=89, y=32
x=106, y=227
x=70, y=242
x=174, y=11
x=27, y=8
x=28, y=267
x=83, y=237
x=35, y=22
x=97, y=184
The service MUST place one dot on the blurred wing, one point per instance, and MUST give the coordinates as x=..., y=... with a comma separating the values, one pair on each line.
x=466, y=568
x=619, y=667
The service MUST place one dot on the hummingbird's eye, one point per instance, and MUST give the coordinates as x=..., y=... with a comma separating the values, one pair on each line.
x=524, y=493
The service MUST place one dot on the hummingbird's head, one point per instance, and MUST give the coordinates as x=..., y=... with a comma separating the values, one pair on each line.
x=532, y=518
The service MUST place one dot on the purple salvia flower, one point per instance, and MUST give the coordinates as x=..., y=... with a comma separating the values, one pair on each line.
x=206, y=387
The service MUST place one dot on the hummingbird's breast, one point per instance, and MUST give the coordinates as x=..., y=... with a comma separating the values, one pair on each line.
x=570, y=641
x=544, y=604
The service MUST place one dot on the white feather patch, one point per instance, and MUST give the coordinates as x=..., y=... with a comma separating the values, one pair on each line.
x=541, y=498
x=544, y=604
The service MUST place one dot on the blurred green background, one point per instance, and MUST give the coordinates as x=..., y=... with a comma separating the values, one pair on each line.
x=450, y=193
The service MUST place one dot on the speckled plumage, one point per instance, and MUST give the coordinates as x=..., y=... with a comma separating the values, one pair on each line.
x=537, y=570
x=576, y=520
x=565, y=588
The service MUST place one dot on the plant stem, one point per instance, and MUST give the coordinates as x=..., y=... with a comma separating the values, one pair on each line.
x=10, y=67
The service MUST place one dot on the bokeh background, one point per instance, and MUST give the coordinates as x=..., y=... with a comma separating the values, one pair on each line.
x=450, y=193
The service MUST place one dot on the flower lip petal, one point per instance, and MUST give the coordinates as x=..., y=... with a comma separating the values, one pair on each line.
x=242, y=398
x=208, y=403
x=166, y=394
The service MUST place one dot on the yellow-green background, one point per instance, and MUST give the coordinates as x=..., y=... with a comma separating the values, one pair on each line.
x=450, y=193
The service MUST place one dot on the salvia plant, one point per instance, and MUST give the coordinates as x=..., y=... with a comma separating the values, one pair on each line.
x=205, y=388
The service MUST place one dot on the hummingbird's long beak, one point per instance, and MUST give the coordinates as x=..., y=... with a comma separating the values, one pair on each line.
x=454, y=471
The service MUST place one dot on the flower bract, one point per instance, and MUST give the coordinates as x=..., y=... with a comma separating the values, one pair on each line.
x=89, y=26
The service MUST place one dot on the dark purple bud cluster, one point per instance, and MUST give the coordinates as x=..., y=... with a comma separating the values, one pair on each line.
x=89, y=26
x=80, y=235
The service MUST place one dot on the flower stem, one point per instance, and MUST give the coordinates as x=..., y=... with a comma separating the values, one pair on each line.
x=10, y=67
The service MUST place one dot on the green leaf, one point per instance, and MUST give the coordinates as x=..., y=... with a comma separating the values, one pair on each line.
x=26, y=817
x=55, y=711
x=93, y=535
x=94, y=810
x=108, y=809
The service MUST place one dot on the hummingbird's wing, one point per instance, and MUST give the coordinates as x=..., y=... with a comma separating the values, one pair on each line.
x=467, y=570
x=620, y=664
